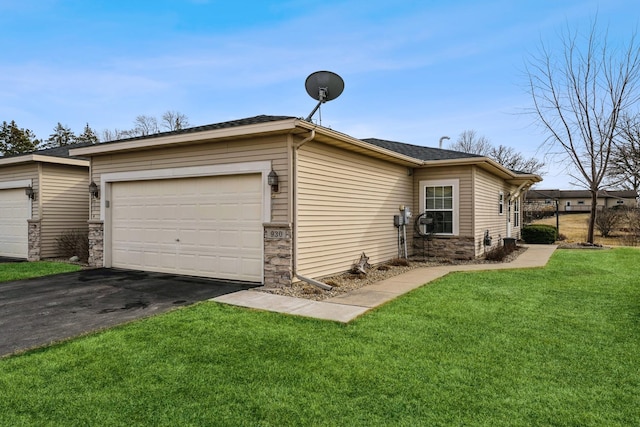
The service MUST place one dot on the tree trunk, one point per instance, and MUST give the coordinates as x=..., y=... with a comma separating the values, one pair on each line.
x=592, y=216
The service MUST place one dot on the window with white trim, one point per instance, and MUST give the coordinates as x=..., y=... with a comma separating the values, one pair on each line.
x=501, y=203
x=439, y=201
x=516, y=212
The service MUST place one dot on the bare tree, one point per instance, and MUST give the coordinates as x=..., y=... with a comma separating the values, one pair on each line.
x=145, y=125
x=114, y=135
x=624, y=168
x=174, y=120
x=511, y=159
x=470, y=142
x=578, y=97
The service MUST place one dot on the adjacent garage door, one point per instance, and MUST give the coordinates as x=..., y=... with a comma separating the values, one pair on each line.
x=209, y=226
x=14, y=213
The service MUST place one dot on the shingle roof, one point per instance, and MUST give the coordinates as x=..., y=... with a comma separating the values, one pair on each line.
x=64, y=151
x=580, y=194
x=230, y=124
x=420, y=152
x=53, y=152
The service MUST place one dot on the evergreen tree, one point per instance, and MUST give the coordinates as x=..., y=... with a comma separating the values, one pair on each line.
x=61, y=136
x=14, y=140
x=88, y=136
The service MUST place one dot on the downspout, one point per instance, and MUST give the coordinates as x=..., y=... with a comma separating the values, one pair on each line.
x=311, y=136
x=294, y=205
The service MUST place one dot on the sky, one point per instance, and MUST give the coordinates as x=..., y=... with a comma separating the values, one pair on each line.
x=414, y=71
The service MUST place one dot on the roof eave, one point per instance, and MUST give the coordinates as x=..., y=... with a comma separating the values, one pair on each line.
x=489, y=165
x=354, y=144
x=43, y=159
x=188, y=137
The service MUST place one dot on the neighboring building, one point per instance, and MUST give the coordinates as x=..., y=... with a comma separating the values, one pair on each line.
x=579, y=200
x=270, y=199
x=42, y=195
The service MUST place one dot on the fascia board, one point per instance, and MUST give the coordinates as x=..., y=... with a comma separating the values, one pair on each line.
x=43, y=159
x=188, y=137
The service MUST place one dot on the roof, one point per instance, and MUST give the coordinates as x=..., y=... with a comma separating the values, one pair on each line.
x=48, y=155
x=406, y=154
x=580, y=194
x=420, y=152
x=215, y=126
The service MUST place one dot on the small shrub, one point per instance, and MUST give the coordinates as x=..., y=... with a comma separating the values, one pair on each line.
x=607, y=220
x=311, y=290
x=539, y=233
x=74, y=243
x=399, y=262
x=497, y=253
x=632, y=220
x=630, y=240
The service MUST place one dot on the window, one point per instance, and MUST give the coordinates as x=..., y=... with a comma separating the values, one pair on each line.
x=581, y=202
x=501, y=203
x=620, y=202
x=516, y=212
x=440, y=202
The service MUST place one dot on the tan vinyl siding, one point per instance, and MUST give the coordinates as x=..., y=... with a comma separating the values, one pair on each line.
x=65, y=204
x=346, y=204
x=213, y=153
x=488, y=188
x=464, y=175
x=20, y=172
x=487, y=193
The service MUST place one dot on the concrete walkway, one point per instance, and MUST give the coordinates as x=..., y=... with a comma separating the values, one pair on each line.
x=346, y=307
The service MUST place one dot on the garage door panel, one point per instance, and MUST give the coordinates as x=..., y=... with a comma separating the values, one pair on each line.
x=210, y=226
x=14, y=213
x=250, y=210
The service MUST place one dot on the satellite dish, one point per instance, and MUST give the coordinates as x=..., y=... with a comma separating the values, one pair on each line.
x=323, y=86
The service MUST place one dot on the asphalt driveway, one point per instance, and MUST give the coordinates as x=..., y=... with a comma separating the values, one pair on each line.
x=36, y=312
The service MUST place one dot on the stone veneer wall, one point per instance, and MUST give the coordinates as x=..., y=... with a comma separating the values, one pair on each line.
x=34, y=239
x=278, y=255
x=96, y=243
x=454, y=248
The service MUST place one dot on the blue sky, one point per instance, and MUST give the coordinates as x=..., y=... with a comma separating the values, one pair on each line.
x=414, y=70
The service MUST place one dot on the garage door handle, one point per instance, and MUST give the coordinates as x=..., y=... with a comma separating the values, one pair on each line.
x=177, y=240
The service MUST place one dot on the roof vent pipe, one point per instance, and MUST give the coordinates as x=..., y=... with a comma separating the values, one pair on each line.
x=442, y=139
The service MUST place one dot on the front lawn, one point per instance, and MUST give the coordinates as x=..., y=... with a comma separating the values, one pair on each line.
x=28, y=270
x=539, y=347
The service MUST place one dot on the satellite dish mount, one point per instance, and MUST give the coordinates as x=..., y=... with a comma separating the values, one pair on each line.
x=323, y=86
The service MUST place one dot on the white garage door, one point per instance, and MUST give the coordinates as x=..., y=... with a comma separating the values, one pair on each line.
x=14, y=212
x=209, y=226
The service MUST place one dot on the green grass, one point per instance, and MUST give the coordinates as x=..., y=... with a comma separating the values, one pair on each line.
x=558, y=346
x=27, y=270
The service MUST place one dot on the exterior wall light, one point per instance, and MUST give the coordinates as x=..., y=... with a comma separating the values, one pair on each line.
x=93, y=190
x=30, y=193
x=272, y=180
